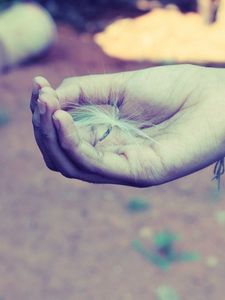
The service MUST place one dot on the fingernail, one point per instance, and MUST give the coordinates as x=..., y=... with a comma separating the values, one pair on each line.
x=41, y=107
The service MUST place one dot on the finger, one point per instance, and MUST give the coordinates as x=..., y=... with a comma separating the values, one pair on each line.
x=46, y=91
x=46, y=135
x=107, y=164
x=38, y=138
x=38, y=83
x=49, y=145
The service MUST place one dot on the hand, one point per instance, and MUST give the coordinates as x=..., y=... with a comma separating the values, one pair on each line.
x=185, y=103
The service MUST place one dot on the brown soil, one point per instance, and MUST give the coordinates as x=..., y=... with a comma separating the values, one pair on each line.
x=65, y=239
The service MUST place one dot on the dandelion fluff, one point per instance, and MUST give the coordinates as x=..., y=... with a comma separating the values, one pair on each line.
x=90, y=116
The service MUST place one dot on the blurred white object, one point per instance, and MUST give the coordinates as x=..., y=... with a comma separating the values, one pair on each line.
x=26, y=30
x=168, y=36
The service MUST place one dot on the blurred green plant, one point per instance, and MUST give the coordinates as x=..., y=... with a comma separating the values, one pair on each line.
x=220, y=217
x=4, y=118
x=164, y=251
x=136, y=205
x=165, y=292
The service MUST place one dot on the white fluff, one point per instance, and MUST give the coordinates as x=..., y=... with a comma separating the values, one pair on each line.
x=26, y=29
x=109, y=116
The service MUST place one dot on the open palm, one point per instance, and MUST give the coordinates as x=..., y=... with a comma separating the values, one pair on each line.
x=175, y=106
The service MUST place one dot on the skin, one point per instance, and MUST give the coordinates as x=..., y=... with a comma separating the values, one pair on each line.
x=186, y=103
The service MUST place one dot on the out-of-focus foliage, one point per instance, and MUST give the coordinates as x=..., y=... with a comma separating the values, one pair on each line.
x=137, y=205
x=4, y=119
x=164, y=251
x=165, y=292
x=87, y=14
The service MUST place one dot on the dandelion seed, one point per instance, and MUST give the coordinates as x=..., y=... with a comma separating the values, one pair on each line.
x=219, y=170
x=97, y=115
x=106, y=134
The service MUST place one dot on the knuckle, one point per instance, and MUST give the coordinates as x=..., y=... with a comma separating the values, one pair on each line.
x=46, y=135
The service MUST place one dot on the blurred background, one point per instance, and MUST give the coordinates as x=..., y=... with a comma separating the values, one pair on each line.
x=66, y=239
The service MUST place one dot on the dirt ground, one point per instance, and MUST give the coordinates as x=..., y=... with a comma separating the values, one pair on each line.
x=65, y=239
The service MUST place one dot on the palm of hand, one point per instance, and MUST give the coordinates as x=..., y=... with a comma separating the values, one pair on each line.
x=140, y=158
